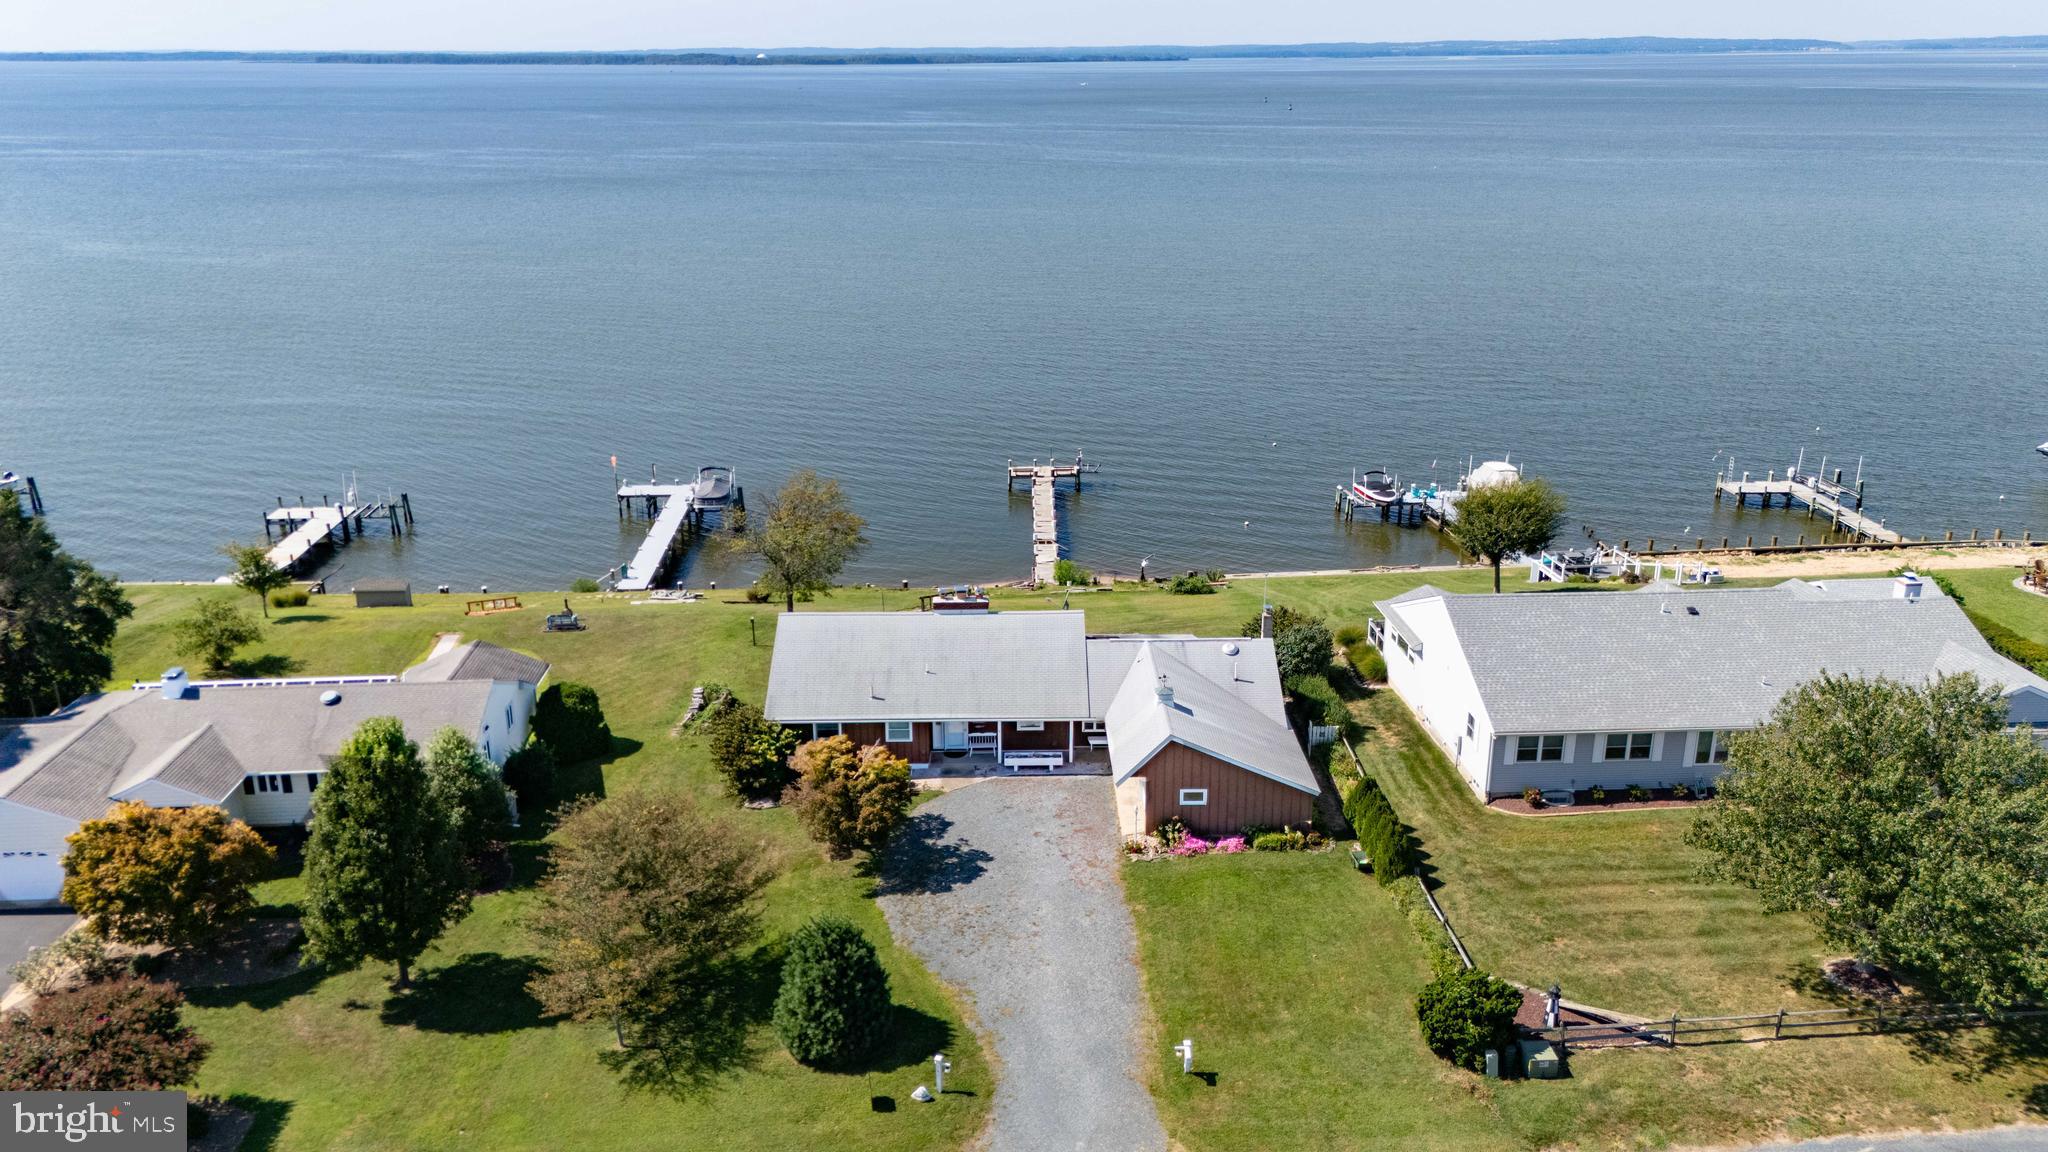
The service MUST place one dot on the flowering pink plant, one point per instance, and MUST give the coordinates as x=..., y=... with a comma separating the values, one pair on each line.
x=1230, y=844
x=1191, y=845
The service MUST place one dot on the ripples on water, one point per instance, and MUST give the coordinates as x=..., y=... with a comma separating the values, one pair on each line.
x=220, y=284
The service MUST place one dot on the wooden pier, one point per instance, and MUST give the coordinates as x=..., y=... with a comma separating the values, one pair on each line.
x=1842, y=504
x=300, y=531
x=25, y=487
x=675, y=512
x=1045, y=523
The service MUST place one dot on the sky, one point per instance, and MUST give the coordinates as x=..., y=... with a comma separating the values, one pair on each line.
x=494, y=25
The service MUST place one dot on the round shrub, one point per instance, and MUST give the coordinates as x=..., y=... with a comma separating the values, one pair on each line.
x=1465, y=1012
x=530, y=773
x=833, y=1009
x=583, y=584
x=567, y=716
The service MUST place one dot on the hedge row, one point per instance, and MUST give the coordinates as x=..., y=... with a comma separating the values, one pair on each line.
x=1388, y=843
x=1319, y=702
x=2010, y=644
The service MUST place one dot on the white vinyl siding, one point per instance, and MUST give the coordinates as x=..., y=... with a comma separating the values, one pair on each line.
x=271, y=806
x=158, y=794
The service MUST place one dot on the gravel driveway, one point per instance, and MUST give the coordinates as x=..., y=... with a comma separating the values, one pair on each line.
x=1010, y=890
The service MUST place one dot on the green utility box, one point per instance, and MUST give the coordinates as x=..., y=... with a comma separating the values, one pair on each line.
x=1541, y=1060
x=1359, y=861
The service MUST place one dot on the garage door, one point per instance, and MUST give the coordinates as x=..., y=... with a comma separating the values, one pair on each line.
x=30, y=876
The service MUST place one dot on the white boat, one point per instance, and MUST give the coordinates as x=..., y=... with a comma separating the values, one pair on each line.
x=1376, y=487
x=2042, y=447
x=1490, y=474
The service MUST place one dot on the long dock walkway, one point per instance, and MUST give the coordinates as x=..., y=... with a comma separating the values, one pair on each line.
x=678, y=505
x=305, y=530
x=1840, y=503
x=1045, y=517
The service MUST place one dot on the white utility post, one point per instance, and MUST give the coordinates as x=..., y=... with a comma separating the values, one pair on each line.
x=1186, y=1051
x=940, y=1066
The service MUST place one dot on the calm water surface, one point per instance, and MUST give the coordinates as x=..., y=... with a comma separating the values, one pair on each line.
x=1229, y=282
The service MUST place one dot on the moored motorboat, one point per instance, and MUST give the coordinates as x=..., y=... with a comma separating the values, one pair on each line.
x=1377, y=487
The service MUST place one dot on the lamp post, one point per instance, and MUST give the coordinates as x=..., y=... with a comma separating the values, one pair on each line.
x=940, y=1066
x=1186, y=1051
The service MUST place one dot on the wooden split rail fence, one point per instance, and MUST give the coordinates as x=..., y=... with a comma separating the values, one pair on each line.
x=1782, y=1024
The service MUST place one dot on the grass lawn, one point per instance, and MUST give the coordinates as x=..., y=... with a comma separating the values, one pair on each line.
x=1295, y=976
x=466, y=1061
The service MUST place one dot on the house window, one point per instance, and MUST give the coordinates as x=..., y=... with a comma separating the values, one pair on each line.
x=1030, y=725
x=269, y=782
x=1194, y=797
x=1091, y=726
x=820, y=731
x=1401, y=642
x=1468, y=724
x=1539, y=749
x=1710, y=748
x=312, y=781
x=508, y=717
x=896, y=732
x=1628, y=745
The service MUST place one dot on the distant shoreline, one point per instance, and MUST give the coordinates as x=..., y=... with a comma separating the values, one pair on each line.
x=1146, y=53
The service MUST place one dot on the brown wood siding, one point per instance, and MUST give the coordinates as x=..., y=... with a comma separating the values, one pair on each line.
x=1054, y=737
x=918, y=750
x=1237, y=798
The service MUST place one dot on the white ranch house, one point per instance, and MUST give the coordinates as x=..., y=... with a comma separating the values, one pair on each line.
x=257, y=748
x=1567, y=690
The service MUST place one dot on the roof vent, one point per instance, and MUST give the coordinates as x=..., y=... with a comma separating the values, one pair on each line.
x=330, y=698
x=1230, y=648
x=1165, y=692
x=175, y=684
x=1908, y=586
x=1664, y=607
x=1691, y=610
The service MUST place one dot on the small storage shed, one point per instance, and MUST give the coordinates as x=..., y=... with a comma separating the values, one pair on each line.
x=383, y=593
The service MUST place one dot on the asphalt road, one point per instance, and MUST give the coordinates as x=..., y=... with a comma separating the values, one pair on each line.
x=2028, y=1138
x=1011, y=891
x=23, y=929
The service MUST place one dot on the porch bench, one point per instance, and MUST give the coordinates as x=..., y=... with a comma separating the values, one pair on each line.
x=1017, y=761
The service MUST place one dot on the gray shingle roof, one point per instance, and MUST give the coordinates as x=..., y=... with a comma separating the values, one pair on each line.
x=121, y=737
x=1204, y=714
x=477, y=660
x=1617, y=661
x=1251, y=671
x=200, y=764
x=929, y=666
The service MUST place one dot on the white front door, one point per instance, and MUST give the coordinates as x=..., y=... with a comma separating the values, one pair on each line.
x=953, y=735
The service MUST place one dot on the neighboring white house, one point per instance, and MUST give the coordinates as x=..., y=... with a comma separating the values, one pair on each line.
x=257, y=748
x=1564, y=690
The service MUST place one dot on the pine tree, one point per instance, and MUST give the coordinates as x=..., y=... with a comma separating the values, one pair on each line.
x=384, y=868
x=833, y=1009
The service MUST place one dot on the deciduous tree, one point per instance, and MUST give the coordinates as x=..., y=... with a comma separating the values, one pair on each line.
x=570, y=720
x=57, y=617
x=211, y=631
x=639, y=920
x=1499, y=520
x=805, y=535
x=175, y=876
x=253, y=572
x=121, y=1035
x=384, y=868
x=749, y=750
x=1905, y=821
x=850, y=799
x=467, y=783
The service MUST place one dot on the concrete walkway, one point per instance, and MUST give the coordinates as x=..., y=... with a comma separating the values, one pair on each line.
x=1010, y=890
x=2020, y=1138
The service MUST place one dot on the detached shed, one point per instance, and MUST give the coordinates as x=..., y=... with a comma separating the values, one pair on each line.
x=383, y=593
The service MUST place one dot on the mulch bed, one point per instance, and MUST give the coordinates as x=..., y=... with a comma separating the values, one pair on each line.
x=227, y=1126
x=1617, y=801
x=1866, y=981
x=1530, y=1019
x=255, y=952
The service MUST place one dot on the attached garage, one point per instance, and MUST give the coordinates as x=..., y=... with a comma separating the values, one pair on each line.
x=30, y=876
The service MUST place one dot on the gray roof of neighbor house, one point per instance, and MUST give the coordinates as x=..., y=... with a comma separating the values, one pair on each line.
x=1700, y=658
x=1204, y=714
x=381, y=586
x=477, y=660
x=854, y=666
x=73, y=763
